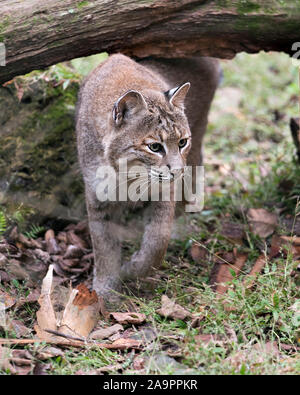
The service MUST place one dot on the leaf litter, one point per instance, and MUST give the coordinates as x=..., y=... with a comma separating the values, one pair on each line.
x=68, y=256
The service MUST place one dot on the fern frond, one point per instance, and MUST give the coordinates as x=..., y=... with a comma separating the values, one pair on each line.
x=34, y=231
x=3, y=223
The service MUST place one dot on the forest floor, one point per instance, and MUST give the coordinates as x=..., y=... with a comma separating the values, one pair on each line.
x=183, y=322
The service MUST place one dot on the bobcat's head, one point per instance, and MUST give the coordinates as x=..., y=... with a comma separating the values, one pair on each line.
x=150, y=129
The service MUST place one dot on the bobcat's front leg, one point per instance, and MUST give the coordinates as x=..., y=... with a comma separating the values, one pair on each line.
x=107, y=254
x=154, y=244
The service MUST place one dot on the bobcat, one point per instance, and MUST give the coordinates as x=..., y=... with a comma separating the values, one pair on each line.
x=135, y=111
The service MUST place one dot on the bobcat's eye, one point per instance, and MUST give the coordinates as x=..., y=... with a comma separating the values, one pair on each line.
x=156, y=147
x=182, y=143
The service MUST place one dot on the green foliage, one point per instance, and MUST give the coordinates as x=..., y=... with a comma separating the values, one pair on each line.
x=82, y=4
x=84, y=66
x=34, y=231
x=3, y=223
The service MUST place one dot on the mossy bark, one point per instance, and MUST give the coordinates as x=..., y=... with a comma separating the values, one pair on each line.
x=37, y=34
x=38, y=158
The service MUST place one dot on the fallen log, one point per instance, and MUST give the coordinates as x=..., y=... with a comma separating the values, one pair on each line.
x=37, y=34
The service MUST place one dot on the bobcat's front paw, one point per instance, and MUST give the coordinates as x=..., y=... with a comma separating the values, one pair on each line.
x=109, y=288
x=126, y=271
x=134, y=269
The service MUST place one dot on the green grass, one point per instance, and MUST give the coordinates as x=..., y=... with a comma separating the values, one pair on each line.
x=84, y=360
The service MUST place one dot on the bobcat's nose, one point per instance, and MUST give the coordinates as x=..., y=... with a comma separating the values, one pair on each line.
x=175, y=172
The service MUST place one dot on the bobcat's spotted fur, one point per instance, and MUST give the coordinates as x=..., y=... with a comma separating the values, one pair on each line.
x=133, y=111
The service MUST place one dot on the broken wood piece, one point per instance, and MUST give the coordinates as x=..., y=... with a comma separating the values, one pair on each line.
x=46, y=315
x=120, y=344
x=81, y=313
x=79, y=318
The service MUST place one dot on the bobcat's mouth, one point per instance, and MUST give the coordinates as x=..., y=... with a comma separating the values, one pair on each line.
x=159, y=175
x=162, y=176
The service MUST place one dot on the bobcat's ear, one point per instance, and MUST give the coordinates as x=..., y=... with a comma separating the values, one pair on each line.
x=127, y=105
x=177, y=95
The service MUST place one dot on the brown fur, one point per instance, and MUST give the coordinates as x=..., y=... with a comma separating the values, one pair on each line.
x=113, y=124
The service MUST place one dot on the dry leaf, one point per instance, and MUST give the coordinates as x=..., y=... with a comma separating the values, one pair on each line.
x=4, y=277
x=18, y=362
x=4, y=360
x=230, y=332
x=3, y=260
x=16, y=271
x=19, y=90
x=233, y=232
x=62, y=236
x=129, y=318
x=290, y=223
x=73, y=252
x=138, y=363
x=221, y=272
x=123, y=344
x=224, y=257
x=79, y=317
x=28, y=259
x=255, y=355
x=198, y=316
x=7, y=248
x=52, y=246
x=22, y=354
x=17, y=327
x=32, y=297
x=76, y=240
x=290, y=347
x=292, y=239
x=45, y=315
x=40, y=369
x=105, y=333
x=170, y=309
x=173, y=350
x=49, y=352
x=146, y=334
x=198, y=253
x=116, y=336
x=262, y=222
x=209, y=338
x=109, y=368
x=257, y=268
x=42, y=255
x=285, y=244
x=8, y=300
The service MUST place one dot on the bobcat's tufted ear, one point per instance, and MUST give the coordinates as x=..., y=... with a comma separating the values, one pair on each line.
x=177, y=95
x=127, y=105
